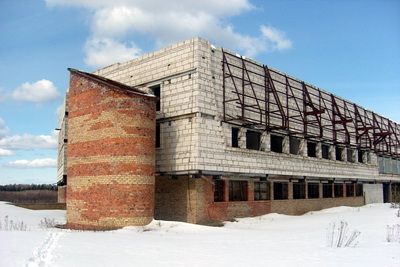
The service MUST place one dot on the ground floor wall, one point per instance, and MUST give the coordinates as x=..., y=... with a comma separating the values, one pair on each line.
x=208, y=199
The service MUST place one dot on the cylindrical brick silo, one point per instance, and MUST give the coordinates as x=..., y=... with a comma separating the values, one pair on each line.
x=111, y=154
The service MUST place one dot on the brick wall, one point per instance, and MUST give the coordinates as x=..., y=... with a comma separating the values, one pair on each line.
x=111, y=156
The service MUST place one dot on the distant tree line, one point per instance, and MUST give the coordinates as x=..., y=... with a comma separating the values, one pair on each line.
x=26, y=187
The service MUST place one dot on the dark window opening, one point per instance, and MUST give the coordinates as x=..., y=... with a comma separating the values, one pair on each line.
x=360, y=157
x=350, y=190
x=276, y=143
x=219, y=188
x=350, y=155
x=253, y=140
x=261, y=190
x=325, y=151
x=311, y=149
x=280, y=190
x=299, y=190
x=338, y=189
x=237, y=190
x=339, y=151
x=313, y=190
x=157, y=92
x=235, y=137
x=327, y=190
x=294, y=144
x=359, y=190
x=158, y=135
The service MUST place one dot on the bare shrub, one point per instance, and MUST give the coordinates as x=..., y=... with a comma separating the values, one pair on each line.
x=48, y=223
x=393, y=233
x=337, y=235
x=11, y=225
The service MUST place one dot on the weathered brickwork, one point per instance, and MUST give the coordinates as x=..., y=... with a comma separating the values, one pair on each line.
x=111, y=156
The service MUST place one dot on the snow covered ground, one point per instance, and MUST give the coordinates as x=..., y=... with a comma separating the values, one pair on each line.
x=270, y=240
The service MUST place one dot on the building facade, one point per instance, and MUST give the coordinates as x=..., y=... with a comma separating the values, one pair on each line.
x=236, y=138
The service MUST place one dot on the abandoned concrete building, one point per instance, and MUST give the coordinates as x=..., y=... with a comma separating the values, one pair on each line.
x=200, y=134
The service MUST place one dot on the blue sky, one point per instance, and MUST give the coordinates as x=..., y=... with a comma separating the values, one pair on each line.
x=348, y=47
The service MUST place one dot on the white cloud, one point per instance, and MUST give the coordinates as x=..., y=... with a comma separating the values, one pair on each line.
x=28, y=141
x=276, y=37
x=38, y=92
x=165, y=23
x=36, y=163
x=6, y=152
x=3, y=128
x=103, y=52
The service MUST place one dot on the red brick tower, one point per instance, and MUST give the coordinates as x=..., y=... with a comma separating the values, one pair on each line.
x=111, y=154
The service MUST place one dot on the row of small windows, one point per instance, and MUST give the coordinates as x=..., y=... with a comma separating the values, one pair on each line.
x=238, y=190
x=389, y=165
x=253, y=141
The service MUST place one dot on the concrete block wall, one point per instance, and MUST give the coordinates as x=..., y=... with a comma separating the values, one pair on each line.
x=216, y=153
x=111, y=156
x=62, y=143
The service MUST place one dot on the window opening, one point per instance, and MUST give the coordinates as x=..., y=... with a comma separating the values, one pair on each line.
x=276, y=143
x=158, y=136
x=237, y=190
x=327, y=190
x=253, y=140
x=350, y=190
x=235, y=137
x=325, y=151
x=359, y=190
x=157, y=92
x=299, y=190
x=350, y=155
x=294, y=144
x=219, y=186
x=313, y=190
x=261, y=190
x=280, y=190
x=360, y=156
x=311, y=149
x=338, y=189
x=338, y=151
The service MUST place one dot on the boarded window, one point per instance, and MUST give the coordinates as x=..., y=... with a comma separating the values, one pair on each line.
x=311, y=149
x=313, y=190
x=381, y=164
x=280, y=190
x=235, y=137
x=237, y=190
x=253, y=140
x=261, y=190
x=350, y=190
x=299, y=190
x=276, y=143
x=219, y=190
x=338, y=190
x=327, y=190
x=294, y=144
x=325, y=151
